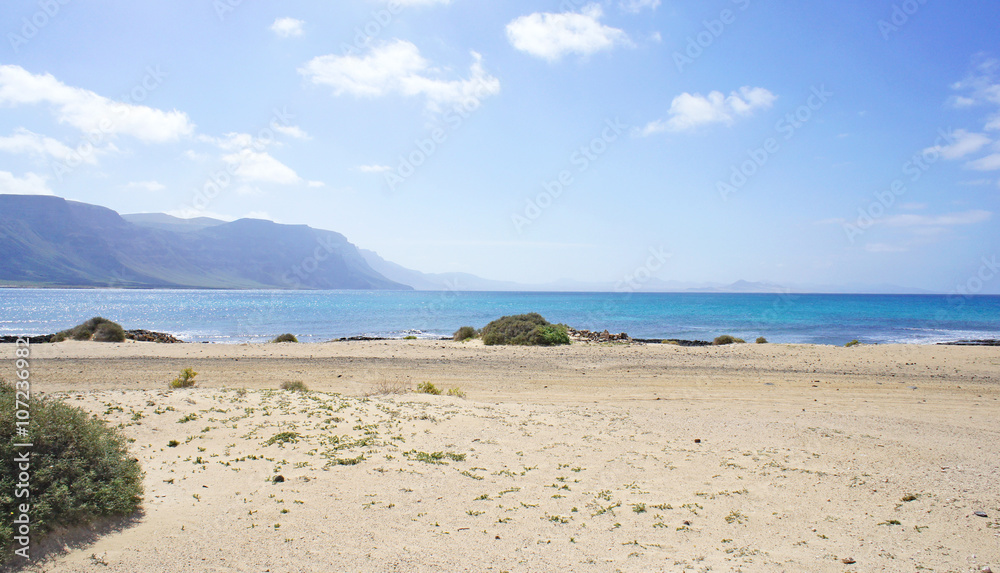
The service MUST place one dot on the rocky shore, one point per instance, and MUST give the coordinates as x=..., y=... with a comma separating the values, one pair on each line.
x=137, y=335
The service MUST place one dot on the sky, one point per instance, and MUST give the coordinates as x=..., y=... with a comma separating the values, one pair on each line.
x=821, y=143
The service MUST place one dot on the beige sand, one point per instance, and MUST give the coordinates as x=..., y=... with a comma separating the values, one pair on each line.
x=580, y=458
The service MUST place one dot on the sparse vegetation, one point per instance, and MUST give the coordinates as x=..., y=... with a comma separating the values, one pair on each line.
x=81, y=470
x=727, y=339
x=97, y=329
x=465, y=333
x=526, y=330
x=294, y=386
x=456, y=392
x=409, y=337
x=428, y=388
x=386, y=387
x=185, y=380
x=852, y=343
x=288, y=337
x=761, y=340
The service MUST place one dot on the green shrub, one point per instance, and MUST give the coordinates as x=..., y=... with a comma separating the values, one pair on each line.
x=97, y=329
x=285, y=338
x=185, y=380
x=294, y=386
x=428, y=388
x=456, y=392
x=524, y=329
x=761, y=340
x=727, y=339
x=852, y=343
x=464, y=333
x=409, y=337
x=80, y=469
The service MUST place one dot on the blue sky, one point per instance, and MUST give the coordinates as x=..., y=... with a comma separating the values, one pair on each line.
x=820, y=143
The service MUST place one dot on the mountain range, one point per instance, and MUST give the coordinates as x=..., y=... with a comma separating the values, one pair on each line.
x=49, y=241
x=52, y=242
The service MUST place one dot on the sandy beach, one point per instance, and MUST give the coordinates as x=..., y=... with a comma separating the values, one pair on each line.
x=591, y=457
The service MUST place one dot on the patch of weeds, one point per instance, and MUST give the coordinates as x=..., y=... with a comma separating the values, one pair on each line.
x=283, y=438
x=428, y=388
x=190, y=417
x=294, y=386
x=185, y=380
x=736, y=517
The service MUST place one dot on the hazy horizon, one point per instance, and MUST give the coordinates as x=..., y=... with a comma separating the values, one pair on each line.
x=534, y=142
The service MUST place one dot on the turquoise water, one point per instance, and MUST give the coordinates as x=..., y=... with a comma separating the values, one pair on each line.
x=239, y=316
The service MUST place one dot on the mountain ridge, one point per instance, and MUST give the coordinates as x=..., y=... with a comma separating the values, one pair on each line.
x=59, y=243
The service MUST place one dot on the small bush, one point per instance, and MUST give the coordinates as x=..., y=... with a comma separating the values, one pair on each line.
x=761, y=340
x=97, y=329
x=294, y=386
x=428, y=388
x=81, y=470
x=285, y=338
x=464, y=333
x=852, y=343
x=727, y=339
x=524, y=329
x=185, y=380
x=456, y=392
x=409, y=337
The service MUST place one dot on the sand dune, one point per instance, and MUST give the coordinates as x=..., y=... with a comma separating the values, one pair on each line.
x=586, y=458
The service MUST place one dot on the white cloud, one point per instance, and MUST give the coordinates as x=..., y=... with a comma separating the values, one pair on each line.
x=287, y=27
x=87, y=111
x=948, y=220
x=964, y=144
x=688, y=111
x=250, y=165
x=151, y=186
x=25, y=141
x=374, y=168
x=397, y=67
x=988, y=163
x=636, y=6
x=30, y=184
x=315, y=184
x=292, y=131
x=553, y=36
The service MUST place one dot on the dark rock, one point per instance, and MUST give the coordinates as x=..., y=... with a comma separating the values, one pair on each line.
x=41, y=339
x=984, y=342
x=150, y=336
x=980, y=514
x=848, y=561
x=278, y=479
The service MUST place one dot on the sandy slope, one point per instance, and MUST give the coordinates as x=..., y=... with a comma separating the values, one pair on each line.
x=581, y=458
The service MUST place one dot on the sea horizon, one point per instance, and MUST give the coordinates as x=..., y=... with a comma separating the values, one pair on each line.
x=239, y=316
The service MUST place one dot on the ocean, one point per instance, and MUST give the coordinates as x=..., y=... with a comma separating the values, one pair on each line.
x=314, y=316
